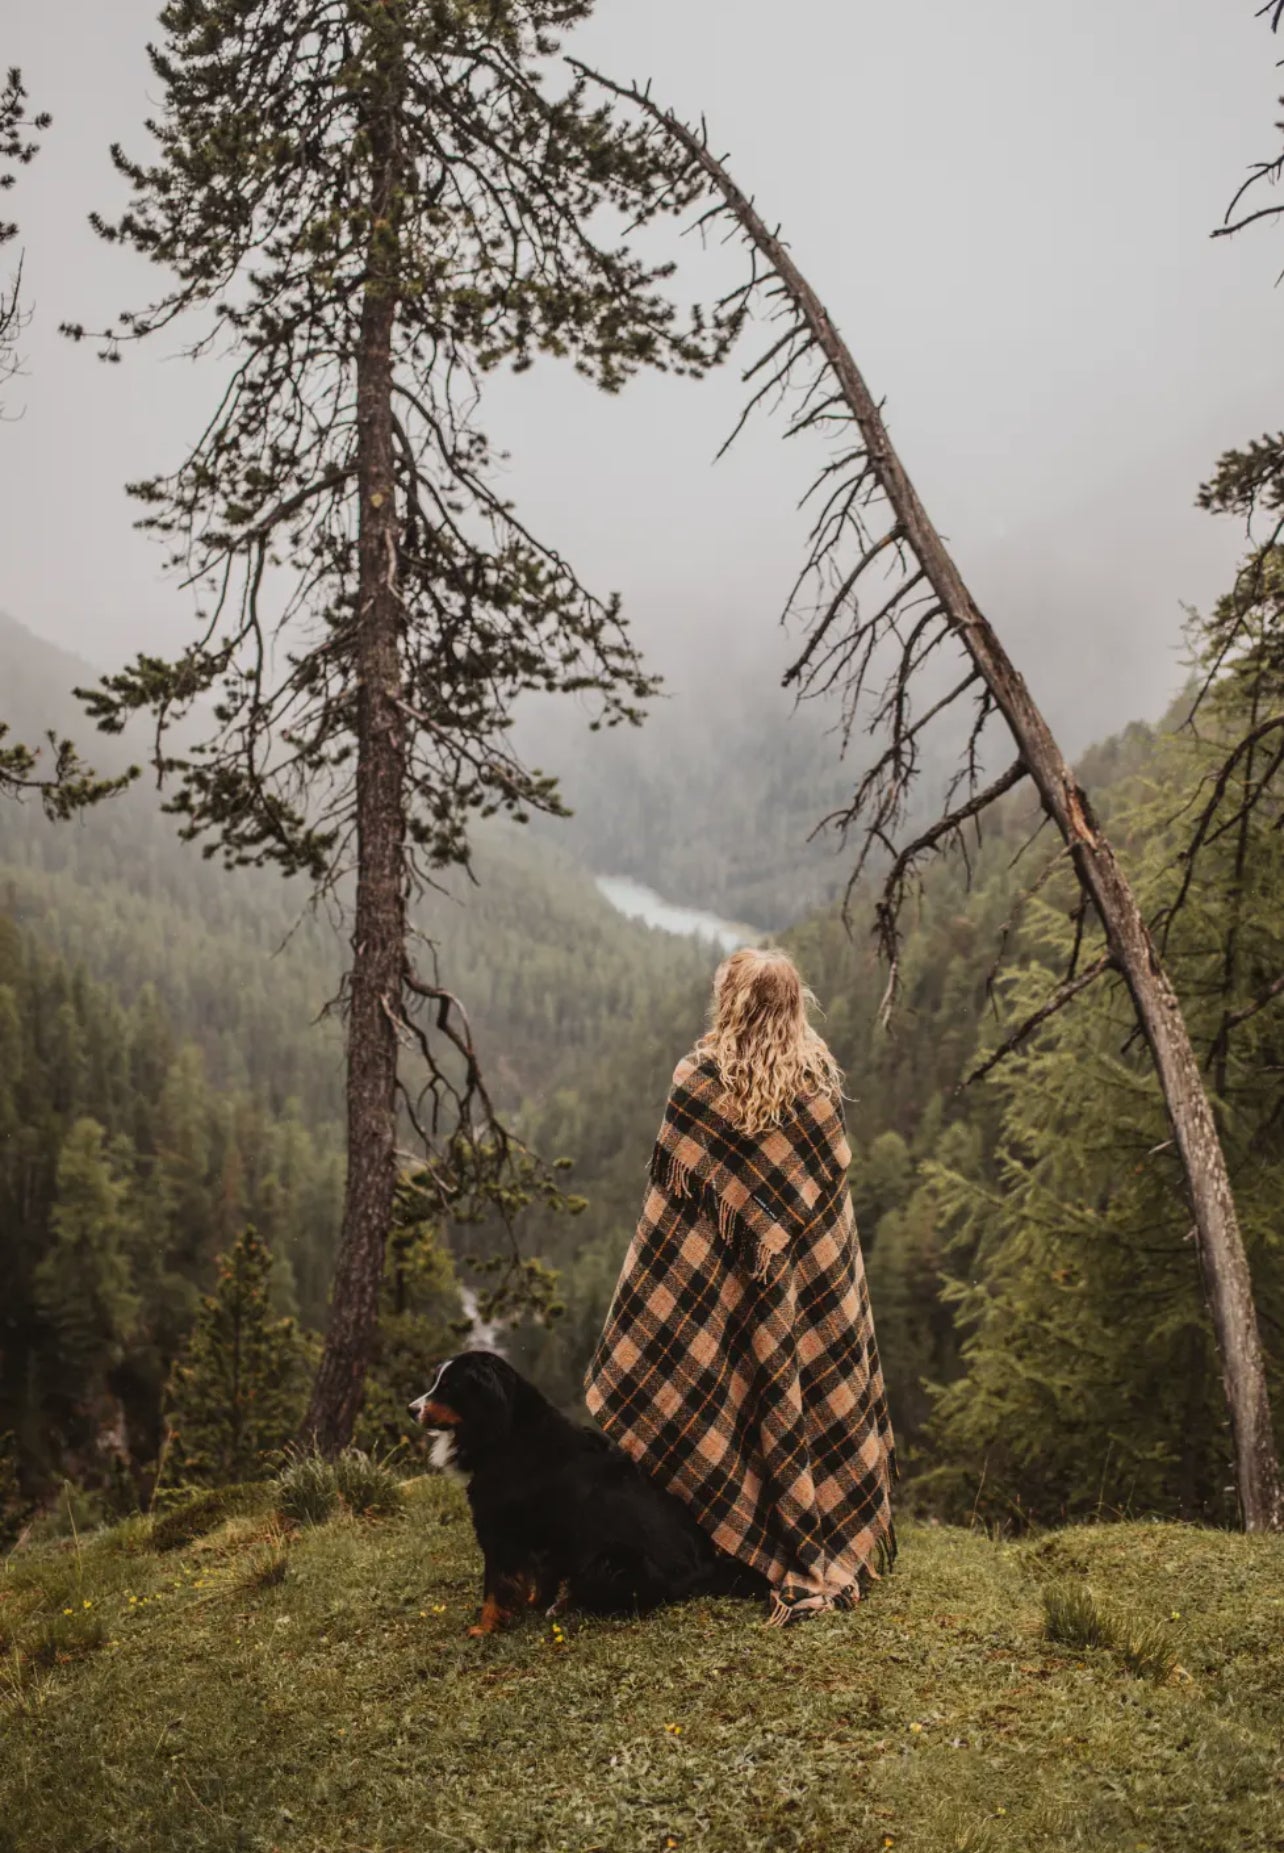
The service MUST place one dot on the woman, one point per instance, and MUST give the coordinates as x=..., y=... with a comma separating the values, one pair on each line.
x=738, y=1362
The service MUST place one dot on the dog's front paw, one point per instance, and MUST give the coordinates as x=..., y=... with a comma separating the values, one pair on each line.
x=492, y=1618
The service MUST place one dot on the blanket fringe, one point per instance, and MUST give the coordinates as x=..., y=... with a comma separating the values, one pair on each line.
x=670, y=1174
x=788, y=1606
x=734, y=1232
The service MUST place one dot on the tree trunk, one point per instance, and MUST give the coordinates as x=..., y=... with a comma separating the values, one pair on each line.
x=1225, y=1265
x=379, y=928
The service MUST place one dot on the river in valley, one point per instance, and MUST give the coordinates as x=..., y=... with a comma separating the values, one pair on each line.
x=638, y=902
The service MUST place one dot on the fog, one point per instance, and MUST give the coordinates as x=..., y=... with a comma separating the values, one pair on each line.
x=1005, y=207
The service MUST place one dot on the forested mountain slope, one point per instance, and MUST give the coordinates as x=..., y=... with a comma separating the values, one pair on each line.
x=168, y=1070
x=1037, y=1302
x=243, y=966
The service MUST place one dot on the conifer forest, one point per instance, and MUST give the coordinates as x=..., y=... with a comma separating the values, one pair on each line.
x=366, y=855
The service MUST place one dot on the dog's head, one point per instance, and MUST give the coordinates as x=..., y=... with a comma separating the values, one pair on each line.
x=471, y=1400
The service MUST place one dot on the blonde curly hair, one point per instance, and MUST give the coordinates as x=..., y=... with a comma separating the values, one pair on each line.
x=766, y=1051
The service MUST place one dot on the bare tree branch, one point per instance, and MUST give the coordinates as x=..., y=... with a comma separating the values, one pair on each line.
x=888, y=906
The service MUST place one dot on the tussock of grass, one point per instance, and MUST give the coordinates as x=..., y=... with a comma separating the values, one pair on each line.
x=367, y=1486
x=1146, y=1650
x=311, y=1488
x=1073, y=1616
x=267, y=1563
x=342, y=1705
x=306, y=1493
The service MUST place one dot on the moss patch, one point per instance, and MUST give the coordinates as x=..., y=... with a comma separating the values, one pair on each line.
x=204, y=1512
x=256, y=1691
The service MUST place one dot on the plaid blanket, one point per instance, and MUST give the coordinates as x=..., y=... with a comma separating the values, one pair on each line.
x=738, y=1362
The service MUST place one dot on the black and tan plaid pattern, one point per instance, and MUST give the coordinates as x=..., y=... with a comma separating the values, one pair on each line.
x=738, y=1361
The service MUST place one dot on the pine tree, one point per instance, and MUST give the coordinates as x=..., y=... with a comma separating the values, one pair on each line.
x=151, y=1054
x=371, y=205
x=882, y=1181
x=1091, y=1377
x=10, y=1066
x=917, y=1336
x=83, y=1287
x=237, y=1393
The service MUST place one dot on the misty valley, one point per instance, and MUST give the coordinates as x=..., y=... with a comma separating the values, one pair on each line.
x=636, y=902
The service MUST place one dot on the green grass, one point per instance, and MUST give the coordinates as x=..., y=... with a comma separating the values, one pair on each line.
x=1073, y=1616
x=315, y=1691
x=310, y=1489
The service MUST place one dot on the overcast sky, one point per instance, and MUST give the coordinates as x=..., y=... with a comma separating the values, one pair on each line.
x=1005, y=206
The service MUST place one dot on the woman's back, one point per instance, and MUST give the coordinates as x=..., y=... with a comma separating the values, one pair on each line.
x=738, y=1362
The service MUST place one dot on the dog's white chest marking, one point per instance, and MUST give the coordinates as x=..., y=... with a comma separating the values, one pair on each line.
x=441, y=1454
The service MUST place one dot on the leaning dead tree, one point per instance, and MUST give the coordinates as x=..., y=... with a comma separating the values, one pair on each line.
x=888, y=647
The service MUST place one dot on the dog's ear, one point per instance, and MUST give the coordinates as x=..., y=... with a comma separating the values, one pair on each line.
x=491, y=1399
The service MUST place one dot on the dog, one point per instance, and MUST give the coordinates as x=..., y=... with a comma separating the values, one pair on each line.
x=564, y=1518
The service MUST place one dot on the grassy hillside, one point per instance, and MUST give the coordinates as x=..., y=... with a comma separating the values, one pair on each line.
x=254, y=1690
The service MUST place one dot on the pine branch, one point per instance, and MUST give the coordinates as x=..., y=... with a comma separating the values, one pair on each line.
x=1063, y=995
x=1244, y=1014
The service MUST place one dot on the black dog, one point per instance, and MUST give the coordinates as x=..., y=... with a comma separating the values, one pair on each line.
x=563, y=1517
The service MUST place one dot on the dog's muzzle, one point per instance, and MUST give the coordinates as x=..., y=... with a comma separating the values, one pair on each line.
x=433, y=1415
